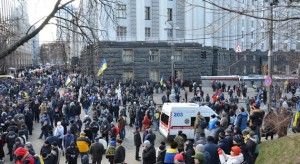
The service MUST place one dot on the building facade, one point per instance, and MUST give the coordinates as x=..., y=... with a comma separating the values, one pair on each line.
x=197, y=21
x=143, y=61
x=14, y=24
x=54, y=53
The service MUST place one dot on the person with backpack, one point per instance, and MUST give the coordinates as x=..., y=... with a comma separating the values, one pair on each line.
x=180, y=141
x=199, y=126
x=23, y=156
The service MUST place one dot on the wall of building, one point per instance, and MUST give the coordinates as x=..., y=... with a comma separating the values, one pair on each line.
x=217, y=61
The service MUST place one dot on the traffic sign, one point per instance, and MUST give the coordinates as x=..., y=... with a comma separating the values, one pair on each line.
x=238, y=49
x=268, y=81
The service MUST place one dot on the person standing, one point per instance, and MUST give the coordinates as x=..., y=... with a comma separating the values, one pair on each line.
x=97, y=151
x=241, y=119
x=212, y=149
x=72, y=153
x=180, y=141
x=83, y=144
x=120, y=152
x=10, y=140
x=137, y=143
x=197, y=127
x=121, y=126
x=149, y=156
x=110, y=152
x=59, y=133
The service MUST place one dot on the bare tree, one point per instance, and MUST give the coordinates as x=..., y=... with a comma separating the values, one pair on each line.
x=76, y=20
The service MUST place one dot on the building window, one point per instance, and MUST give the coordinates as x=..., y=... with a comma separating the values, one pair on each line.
x=287, y=69
x=236, y=57
x=254, y=57
x=170, y=16
x=178, y=55
x=121, y=11
x=252, y=23
x=285, y=46
x=180, y=74
x=242, y=34
x=245, y=57
x=147, y=13
x=298, y=36
x=147, y=32
x=154, y=55
x=262, y=46
x=170, y=33
x=245, y=69
x=154, y=75
x=127, y=55
x=254, y=69
x=121, y=33
x=128, y=75
x=298, y=46
x=252, y=35
x=275, y=68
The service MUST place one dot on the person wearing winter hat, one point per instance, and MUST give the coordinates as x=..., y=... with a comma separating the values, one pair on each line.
x=83, y=144
x=22, y=156
x=149, y=155
x=46, y=148
x=235, y=157
x=179, y=159
x=201, y=155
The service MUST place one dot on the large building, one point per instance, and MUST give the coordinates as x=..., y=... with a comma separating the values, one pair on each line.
x=13, y=26
x=195, y=21
x=54, y=53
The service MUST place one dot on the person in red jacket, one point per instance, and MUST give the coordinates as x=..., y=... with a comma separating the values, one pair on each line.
x=23, y=156
x=146, y=122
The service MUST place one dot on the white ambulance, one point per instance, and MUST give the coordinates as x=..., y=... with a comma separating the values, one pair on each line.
x=181, y=116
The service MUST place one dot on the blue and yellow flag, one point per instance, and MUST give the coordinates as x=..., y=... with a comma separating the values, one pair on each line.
x=68, y=80
x=102, y=67
x=162, y=80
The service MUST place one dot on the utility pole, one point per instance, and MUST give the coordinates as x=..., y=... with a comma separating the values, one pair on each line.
x=270, y=54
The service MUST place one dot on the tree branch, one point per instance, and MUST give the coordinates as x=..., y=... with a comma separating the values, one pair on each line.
x=26, y=38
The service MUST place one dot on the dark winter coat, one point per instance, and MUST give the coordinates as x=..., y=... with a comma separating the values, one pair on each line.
x=189, y=152
x=119, y=154
x=97, y=151
x=149, y=156
x=137, y=139
x=212, y=149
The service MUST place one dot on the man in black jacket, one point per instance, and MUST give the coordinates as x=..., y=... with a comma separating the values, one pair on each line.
x=119, y=152
x=97, y=151
x=149, y=154
x=10, y=140
x=137, y=143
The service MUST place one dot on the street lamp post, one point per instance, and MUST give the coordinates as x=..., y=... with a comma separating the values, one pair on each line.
x=172, y=95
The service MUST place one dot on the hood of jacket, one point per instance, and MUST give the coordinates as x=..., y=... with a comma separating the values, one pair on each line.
x=20, y=151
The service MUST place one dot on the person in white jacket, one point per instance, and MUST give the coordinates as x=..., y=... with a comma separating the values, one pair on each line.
x=235, y=157
x=59, y=133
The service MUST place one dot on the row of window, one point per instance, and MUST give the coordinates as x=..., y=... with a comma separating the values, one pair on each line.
x=256, y=70
x=154, y=75
x=121, y=12
x=154, y=55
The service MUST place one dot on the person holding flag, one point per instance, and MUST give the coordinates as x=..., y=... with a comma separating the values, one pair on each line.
x=102, y=67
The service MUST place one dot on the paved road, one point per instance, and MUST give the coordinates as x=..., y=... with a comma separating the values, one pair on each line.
x=128, y=141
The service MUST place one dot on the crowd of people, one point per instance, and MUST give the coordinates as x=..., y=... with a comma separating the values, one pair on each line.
x=232, y=137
